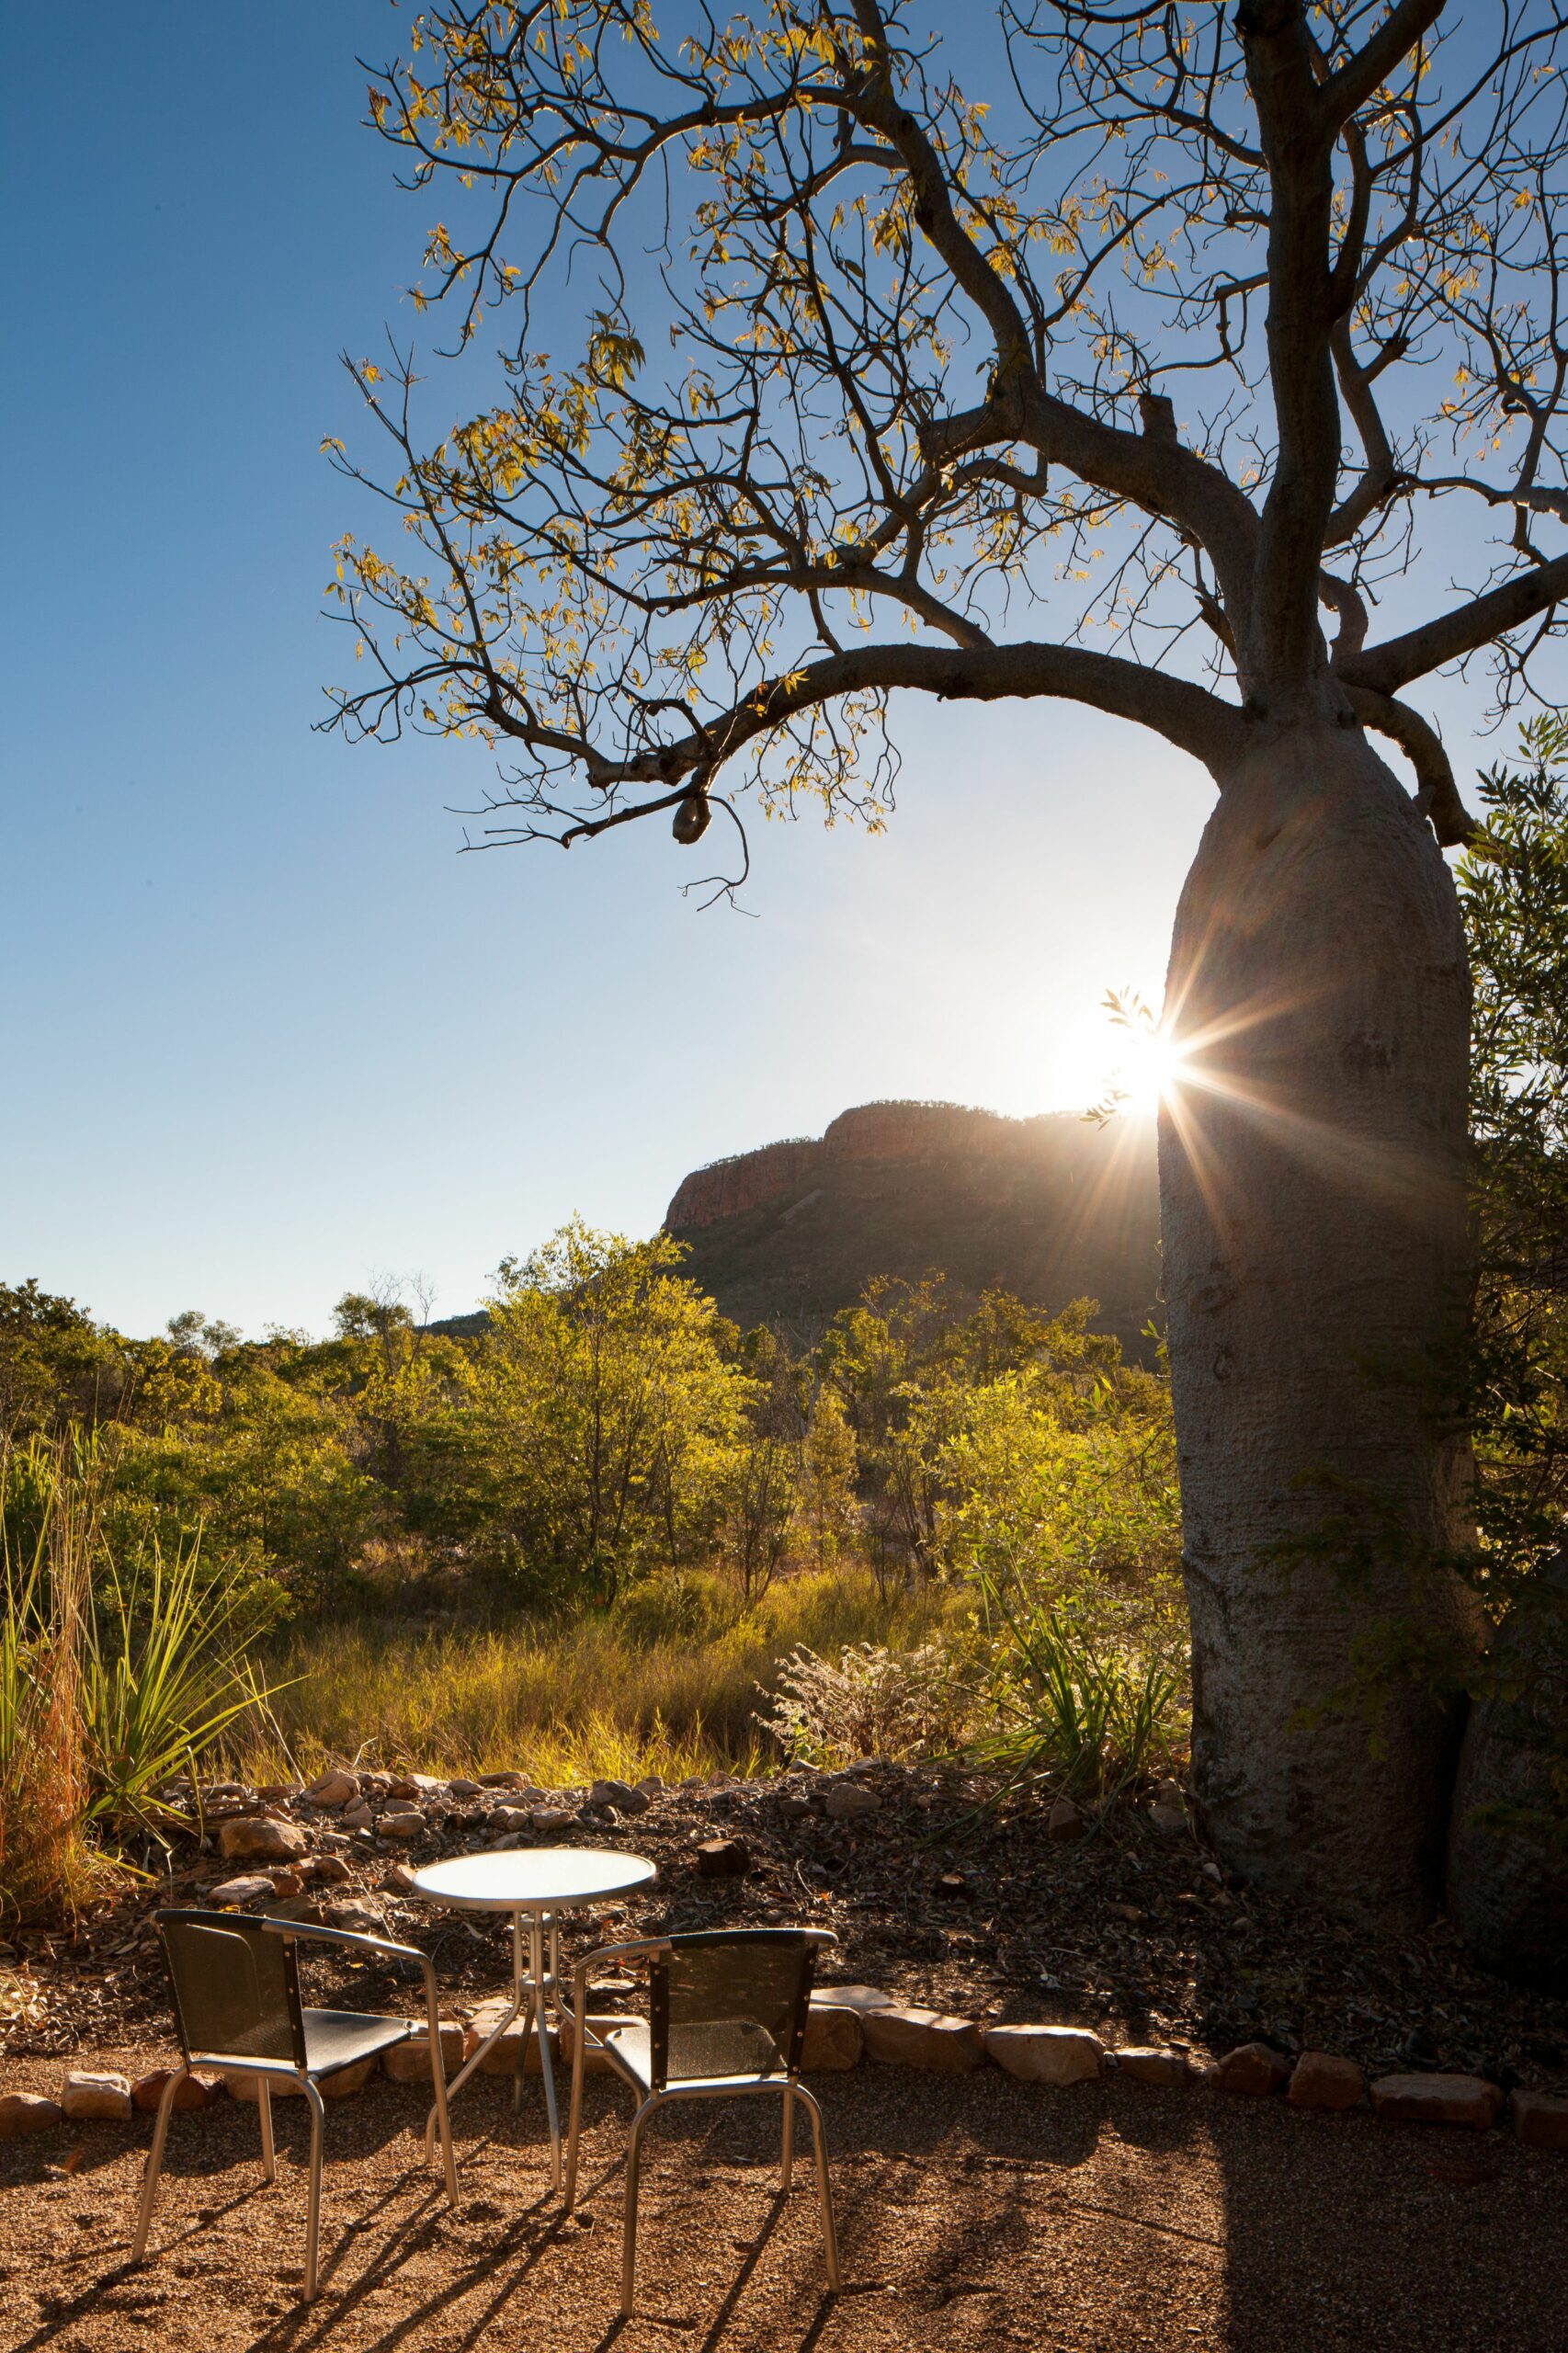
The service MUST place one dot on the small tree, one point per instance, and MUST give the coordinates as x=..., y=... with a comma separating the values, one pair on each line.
x=1100, y=359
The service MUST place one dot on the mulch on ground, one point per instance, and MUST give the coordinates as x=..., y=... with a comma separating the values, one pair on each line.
x=975, y=2213
x=1138, y=1934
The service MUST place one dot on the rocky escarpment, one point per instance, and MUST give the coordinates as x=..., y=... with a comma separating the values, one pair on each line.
x=1051, y=1208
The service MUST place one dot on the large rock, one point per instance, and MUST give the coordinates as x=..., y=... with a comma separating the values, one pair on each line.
x=344, y=2082
x=25, y=2112
x=853, y=1997
x=848, y=1801
x=243, y=2083
x=1507, y=1859
x=401, y=1822
x=722, y=1857
x=246, y=1889
x=409, y=2062
x=87, y=2095
x=1320, y=2079
x=334, y=1789
x=1437, y=2100
x=1254, y=2070
x=195, y=2091
x=256, y=1839
x=618, y=1797
x=916, y=2037
x=834, y=2040
x=1540, y=2121
x=1045, y=2054
x=1151, y=2063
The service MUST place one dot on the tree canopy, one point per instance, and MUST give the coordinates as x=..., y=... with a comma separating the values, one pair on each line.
x=1100, y=359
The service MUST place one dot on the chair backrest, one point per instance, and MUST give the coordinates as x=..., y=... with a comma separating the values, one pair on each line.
x=236, y=1987
x=731, y=2002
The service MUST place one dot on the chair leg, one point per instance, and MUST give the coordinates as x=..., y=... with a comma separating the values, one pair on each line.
x=575, y=2121
x=825, y=2189
x=313, y=2218
x=156, y=2164
x=264, y=2108
x=788, y=2135
x=629, y=2242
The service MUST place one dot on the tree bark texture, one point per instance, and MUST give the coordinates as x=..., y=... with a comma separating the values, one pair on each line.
x=1508, y=1855
x=1311, y=1169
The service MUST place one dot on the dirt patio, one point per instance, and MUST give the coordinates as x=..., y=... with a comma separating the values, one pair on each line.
x=974, y=2212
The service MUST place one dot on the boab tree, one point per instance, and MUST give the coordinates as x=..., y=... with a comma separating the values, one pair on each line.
x=1144, y=383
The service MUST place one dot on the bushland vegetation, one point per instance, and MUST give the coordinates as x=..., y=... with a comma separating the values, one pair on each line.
x=606, y=1531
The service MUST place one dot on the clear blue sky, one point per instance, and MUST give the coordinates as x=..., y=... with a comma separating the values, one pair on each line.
x=266, y=1034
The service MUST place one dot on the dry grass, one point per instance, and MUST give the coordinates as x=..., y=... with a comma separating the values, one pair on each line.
x=663, y=1685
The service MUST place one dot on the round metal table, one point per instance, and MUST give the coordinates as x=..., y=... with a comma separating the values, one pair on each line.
x=542, y=1882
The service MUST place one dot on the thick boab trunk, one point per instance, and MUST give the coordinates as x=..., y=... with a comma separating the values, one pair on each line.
x=1312, y=1168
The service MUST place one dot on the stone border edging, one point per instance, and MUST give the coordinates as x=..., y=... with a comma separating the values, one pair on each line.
x=850, y=2023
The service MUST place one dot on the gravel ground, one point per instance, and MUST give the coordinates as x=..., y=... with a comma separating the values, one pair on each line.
x=975, y=2213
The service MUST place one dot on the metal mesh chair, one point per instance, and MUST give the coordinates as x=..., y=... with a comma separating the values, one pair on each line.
x=236, y=1983
x=726, y=2017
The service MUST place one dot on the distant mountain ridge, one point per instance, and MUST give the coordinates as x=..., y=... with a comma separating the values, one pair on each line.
x=1052, y=1208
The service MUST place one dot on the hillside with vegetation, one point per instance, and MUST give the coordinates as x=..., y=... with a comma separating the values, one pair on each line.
x=1050, y=1209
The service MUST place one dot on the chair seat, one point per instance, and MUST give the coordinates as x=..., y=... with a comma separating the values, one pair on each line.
x=730, y=2052
x=336, y=2038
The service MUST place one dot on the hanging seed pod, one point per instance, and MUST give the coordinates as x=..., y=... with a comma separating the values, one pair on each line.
x=691, y=819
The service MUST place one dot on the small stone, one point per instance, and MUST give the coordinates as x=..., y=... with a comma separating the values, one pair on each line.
x=463, y=1788
x=546, y=1818
x=87, y=2095
x=344, y=2082
x=916, y=2038
x=1322, y=2080
x=1437, y=2100
x=651, y=1784
x=409, y=2062
x=835, y=2038
x=196, y=2091
x=356, y=1917
x=722, y=1858
x=1149, y=2064
x=512, y=1781
x=25, y=2112
x=416, y=1785
x=1045, y=2054
x=399, y=1880
x=357, y=1816
x=1063, y=1821
x=244, y=1889
x=511, y=1819
x=846, y=1801
x=954, y=1886
x=1255, y=2070
x=258, y=1838
x=1540, y=2121
x=617, y=1797
x=1125, y=1911
x=330, y=1870
x=287, y=1883
x=334, y=1789
x=794, y=1809
x=1168, y=1809
x=402, y=1822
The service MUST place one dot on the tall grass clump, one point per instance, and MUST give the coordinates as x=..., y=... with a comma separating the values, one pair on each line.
x=44, y=1854
x=115, y=1677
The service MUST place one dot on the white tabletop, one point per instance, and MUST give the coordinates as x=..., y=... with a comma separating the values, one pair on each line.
x=532, y=1879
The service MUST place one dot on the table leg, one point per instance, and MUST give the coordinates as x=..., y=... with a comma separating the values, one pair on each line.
x=535, y=1960
x=476, y=2058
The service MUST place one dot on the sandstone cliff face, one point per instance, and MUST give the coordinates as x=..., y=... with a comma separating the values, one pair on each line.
x=1048, y=1208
